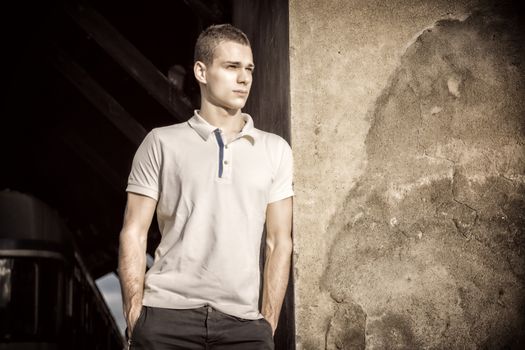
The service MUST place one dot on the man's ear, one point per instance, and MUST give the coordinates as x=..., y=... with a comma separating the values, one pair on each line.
x=199, y=69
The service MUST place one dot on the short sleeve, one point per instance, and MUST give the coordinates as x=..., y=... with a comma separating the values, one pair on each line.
x=145, y=170
x=282, y=184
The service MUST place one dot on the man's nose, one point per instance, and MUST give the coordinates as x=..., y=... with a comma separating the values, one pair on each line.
x=244, y=77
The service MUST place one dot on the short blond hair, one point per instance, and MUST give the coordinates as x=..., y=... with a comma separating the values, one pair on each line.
x=213, y=36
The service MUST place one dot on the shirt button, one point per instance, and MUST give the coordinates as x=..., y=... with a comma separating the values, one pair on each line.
x=225, y=146
x=226, y=162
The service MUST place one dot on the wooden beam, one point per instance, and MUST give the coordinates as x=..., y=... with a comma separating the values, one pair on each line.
x=130, y=58
x=97, y=163
x=99, y=97
x=210, y=11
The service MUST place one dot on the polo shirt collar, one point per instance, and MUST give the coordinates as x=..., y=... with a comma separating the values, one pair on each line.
x=205, y=129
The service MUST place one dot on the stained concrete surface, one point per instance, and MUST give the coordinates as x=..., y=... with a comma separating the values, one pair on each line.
x=420, y=244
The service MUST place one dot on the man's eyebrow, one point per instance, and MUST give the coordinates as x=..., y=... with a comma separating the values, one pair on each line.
x=237, y=63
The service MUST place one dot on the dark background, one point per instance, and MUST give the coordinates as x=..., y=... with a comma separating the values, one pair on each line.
x=73, y=112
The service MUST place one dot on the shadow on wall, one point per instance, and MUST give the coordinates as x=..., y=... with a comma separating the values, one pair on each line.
x=430, y=245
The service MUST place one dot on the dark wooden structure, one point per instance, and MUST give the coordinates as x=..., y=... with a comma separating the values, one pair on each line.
x=266, y=24
x=85, y=80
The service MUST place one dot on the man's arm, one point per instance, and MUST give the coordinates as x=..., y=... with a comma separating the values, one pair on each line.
x=132, y=254
x=278, y=256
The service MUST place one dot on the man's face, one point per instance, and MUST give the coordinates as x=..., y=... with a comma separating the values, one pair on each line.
x=229, y=77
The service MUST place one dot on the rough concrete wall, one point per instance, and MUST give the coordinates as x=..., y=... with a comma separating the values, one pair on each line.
x=408, y=126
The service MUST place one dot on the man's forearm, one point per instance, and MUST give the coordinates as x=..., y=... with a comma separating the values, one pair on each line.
x=132, y=267
x=276, y=274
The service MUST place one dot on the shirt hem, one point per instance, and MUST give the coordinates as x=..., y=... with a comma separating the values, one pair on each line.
x=243, y=315
x=280, y=196
x=143, y=190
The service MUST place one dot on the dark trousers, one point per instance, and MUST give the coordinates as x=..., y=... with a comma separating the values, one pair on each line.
x=200, y=328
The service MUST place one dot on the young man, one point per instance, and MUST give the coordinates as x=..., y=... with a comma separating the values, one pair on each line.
x=214, y=182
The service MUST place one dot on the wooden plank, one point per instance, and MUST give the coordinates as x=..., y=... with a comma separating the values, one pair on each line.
x=101, y=99
x=209, y=10
x=265, y=22
x=96, y=162
x=130, y=58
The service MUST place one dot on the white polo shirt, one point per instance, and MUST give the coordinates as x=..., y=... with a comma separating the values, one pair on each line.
x=211, y=209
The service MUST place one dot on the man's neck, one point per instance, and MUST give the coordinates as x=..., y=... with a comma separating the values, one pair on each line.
x=230, y=121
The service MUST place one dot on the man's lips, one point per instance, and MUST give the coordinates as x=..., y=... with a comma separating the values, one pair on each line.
x=241, y=92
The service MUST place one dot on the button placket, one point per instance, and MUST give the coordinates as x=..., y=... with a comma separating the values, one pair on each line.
x=218, y=135
x=227, y=164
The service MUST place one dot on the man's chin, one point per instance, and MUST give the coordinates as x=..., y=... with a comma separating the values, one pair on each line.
x=235, y=106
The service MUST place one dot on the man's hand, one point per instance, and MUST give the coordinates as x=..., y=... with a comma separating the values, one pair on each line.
x=274, y=326
x=132, y=317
